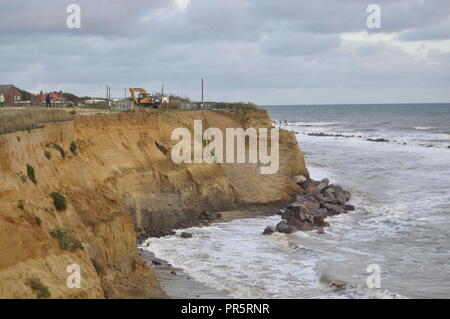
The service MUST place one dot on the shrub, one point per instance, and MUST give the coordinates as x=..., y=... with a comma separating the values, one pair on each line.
x=58, y=148
x=74, y=147
x=30, y=173
x=73, y=112
x=39, y=288
x=66, y=239
x=59, y=200
x=38, y=220
x=48, y=154
x=21, y=204
x=97, y=266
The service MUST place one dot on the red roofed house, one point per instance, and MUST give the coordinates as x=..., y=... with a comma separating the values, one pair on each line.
x=56, y=97
x=11, y=94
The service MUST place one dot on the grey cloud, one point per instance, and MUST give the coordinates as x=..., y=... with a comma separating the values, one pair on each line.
x=239, y=46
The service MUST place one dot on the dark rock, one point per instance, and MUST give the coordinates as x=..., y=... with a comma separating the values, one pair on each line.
x=312, y=204
x=287, y=214
x=378, y=140
x=312, y=189
x=269, y=230
x=173, y=272
x=185, y=235
x=296, y=222
x=348, y=208
x=211, y=216
x=156, y=263
x=320, y=221
x=282, y=227
x=298, y=208
x=334, y=209
x=307, y=227
x=323, y=184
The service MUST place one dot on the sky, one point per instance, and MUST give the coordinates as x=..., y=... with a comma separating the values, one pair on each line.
x=262, y=51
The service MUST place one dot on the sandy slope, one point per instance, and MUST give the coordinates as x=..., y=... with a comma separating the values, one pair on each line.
x=120, y=184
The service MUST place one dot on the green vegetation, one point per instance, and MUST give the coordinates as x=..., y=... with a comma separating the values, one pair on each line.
x=59, y=200
x=38, y=220
x=21, y=204
x=66, y=239
x=60, y=149
x=48, y=154
x=30, y=118
x=30, y=173
x=39, y=288
x=74, y=147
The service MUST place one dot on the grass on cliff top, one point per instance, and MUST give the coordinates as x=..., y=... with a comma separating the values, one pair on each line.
x=14, y=120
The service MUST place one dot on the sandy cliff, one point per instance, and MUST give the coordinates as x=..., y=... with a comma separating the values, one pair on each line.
x=121, y=182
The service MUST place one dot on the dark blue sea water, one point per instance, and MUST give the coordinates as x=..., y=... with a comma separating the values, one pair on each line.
x=421, y=124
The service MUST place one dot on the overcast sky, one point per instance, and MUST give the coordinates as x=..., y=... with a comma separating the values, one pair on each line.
x=265, y=51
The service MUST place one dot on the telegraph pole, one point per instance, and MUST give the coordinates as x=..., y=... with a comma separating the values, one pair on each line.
x=202, y=90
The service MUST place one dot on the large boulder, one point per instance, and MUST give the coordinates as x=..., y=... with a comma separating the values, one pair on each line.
x=312, y=204
x=283, y=227
x=334, y=209
x=296, y=222
x=323, y=184
x=307, y=227
x=269, y=230
x=312, y=189
x=299, y=179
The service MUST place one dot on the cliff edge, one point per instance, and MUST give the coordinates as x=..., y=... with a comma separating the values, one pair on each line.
x=114, y=175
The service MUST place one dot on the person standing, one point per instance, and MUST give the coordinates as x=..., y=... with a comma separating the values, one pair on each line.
x=48, y=100
x=2, y=100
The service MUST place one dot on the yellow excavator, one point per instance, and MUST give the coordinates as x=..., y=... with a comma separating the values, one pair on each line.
x=142, y=98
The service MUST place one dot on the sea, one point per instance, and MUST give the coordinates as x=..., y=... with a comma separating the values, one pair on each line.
x=396, y=244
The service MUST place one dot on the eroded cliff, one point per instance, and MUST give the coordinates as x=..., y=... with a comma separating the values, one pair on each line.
x=118, y=181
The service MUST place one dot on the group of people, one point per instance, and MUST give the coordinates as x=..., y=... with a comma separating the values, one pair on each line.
x=48, y=100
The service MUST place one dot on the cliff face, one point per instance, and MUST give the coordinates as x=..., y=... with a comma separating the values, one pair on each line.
x=121, y=182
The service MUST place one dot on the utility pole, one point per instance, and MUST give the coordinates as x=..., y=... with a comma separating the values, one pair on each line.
x=125, y=91
x=162, y=90
x=202, y=90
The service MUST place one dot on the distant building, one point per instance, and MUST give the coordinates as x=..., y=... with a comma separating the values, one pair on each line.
x=56, y=97
x=95, y=101
x=11, y=94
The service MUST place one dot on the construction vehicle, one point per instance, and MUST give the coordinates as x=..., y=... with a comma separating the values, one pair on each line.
x=142, y=98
